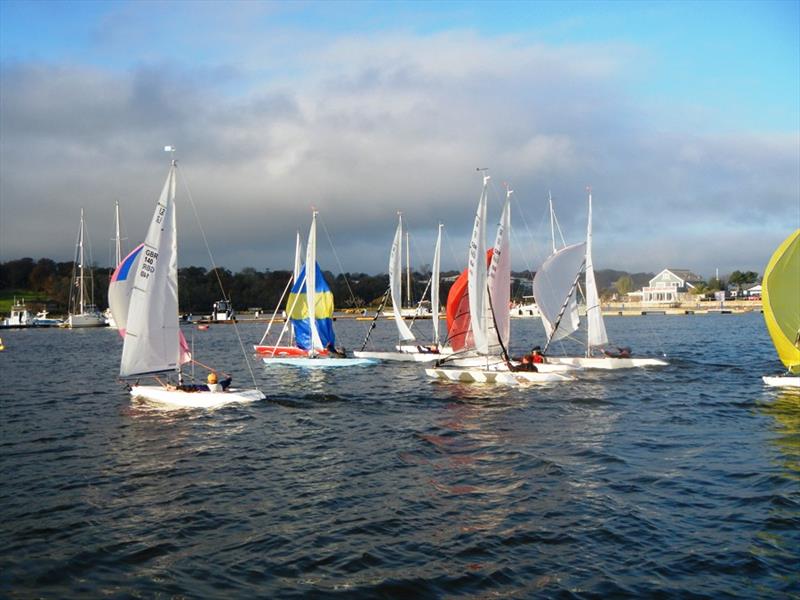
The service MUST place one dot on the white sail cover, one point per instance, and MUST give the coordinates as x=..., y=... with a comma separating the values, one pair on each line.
x=499, y=281
x=395, y=282
x=152, y=336
x=476, y=276
x=311, y=284
x=596, y=328
x=553, y=287
x=437, y=260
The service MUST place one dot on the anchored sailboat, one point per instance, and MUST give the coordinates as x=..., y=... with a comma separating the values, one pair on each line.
x=310, y=314
x=143, y=296
x=781, y=301
x=555, y=286
x=108, y=314
x=83, y=312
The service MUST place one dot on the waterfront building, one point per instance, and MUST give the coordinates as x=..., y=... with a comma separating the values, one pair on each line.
x=670, y=286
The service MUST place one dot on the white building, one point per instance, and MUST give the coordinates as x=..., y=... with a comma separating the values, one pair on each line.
x=669, y=286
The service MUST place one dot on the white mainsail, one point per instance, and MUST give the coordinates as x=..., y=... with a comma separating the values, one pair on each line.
x=554, y=287
x=437, y=259
x=311, y=285
x=395, y=282
x=476, y=278
x=499, y=281
x=152, y=335
x=596, y=328
x=298, y=253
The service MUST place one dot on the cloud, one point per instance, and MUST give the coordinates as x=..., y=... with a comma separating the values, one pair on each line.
x=363, y=126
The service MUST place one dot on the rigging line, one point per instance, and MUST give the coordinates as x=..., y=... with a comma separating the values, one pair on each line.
x=375, y=318
x=225, y=296
x=562, y=311
x=338, y=262
x=275, y=313
x=290, y=312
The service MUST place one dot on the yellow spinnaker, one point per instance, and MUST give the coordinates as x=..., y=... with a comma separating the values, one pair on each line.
x=781, y=295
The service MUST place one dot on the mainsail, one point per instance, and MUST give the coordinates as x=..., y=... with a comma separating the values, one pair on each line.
x=781, y=301
x=476, y=280
x=554, y=289
x=437, y=259
x=499, y=283
x=395, y=282
x=152, y=334
x=596, y=328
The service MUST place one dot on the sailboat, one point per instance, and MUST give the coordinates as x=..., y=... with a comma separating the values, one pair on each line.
x=83, y=312
x=479, y=324
x=107, y=314
x=555, y=286
x=408, y=350
x=143, y=296
x=314, y=336
x=781, y=301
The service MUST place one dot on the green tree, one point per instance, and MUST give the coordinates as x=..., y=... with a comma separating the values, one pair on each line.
x=624, y=285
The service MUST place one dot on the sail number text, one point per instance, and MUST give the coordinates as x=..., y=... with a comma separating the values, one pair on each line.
x=148, y=264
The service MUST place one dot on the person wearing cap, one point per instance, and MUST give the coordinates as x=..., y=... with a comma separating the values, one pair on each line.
x=536, y=355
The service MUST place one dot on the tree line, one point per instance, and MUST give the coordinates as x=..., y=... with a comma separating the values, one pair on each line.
x=199, y=287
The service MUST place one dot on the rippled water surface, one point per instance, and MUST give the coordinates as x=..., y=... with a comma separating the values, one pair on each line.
x=375, y=482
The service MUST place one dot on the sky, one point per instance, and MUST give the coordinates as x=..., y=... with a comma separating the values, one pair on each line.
x=683, y=117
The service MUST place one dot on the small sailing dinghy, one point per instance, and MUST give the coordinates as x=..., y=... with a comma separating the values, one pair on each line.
x=407, y=349
x=478, y=333
x=555, y=286
x=314, y=336
x=143, y=296
x=781, y=301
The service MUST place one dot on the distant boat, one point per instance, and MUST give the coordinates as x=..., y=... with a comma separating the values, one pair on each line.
x=781, y=302
x=19, y=316
x=408, y=350
x=82, y=311
x=144, y=300
x=555, y=288
x=309, y=308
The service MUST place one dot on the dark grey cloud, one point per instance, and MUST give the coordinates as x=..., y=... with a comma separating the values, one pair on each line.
x=364, y=127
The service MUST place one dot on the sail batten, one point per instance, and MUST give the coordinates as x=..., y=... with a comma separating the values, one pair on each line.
x=781, y=301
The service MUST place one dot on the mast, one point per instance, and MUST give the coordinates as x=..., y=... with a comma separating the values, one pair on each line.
x=595, y=327
x=80, y=266
x=552, y=221
x=118, y=243
x=408, y=272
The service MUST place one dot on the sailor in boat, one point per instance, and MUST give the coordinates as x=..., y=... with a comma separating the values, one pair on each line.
x=212, y=385
x=537, y=356
x=335, y=352
x=525, y=364
x=619, y=353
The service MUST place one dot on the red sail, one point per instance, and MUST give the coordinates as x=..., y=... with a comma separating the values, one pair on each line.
x=458, y=319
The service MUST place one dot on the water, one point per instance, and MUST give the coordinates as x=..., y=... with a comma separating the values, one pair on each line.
x=375, y=482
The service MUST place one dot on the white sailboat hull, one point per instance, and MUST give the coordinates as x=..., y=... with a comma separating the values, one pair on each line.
x=181, y=399
x=86, y=320
x=320, y=362
x=490, y=376
x=782, y=381
x=494, y=363
x=606, y=362
x=398, y=356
